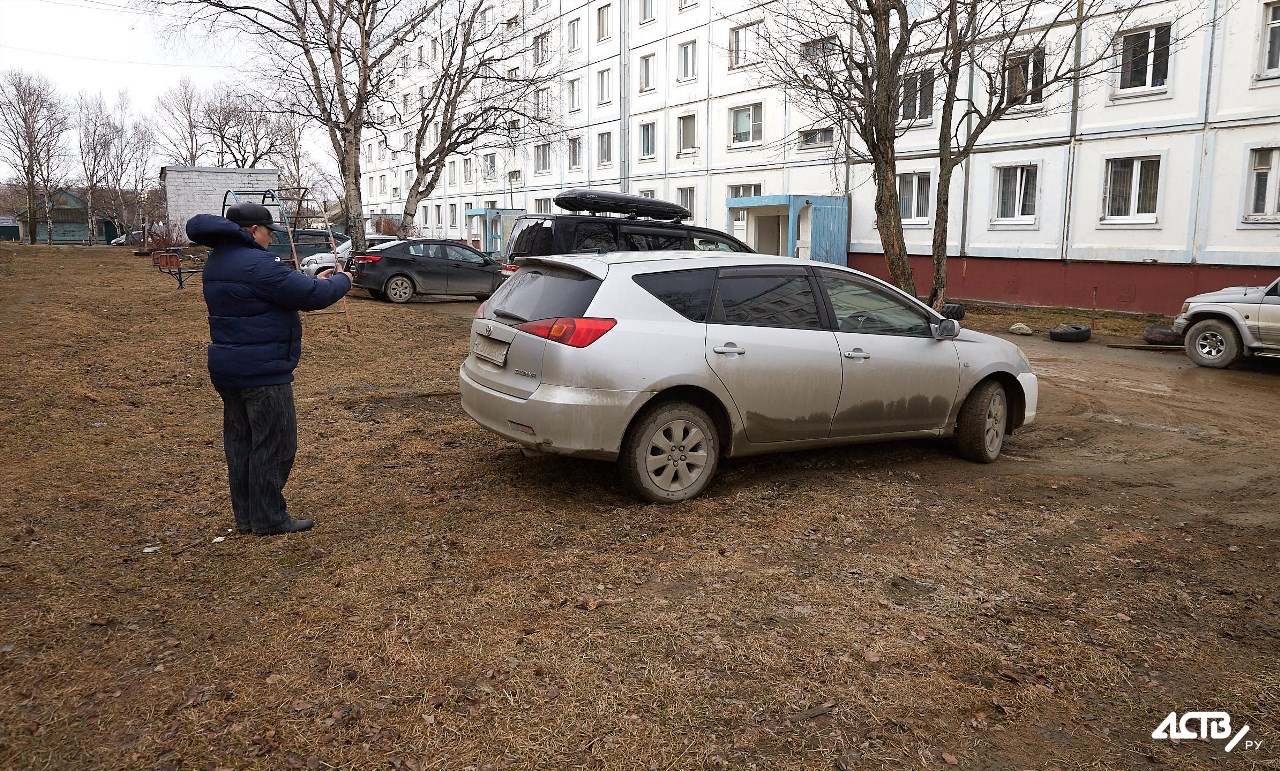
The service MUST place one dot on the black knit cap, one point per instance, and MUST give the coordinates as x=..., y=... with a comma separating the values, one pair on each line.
x=246, y=214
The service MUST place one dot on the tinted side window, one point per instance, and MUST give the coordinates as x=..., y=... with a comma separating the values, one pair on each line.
x=542, y=292
x=531, y=237
x=461, y=254
x=651, y=242
x=593, y=237
x=866, y=309
x=766, y=301
x=687, y=292
x=311, y=239
x=423, y=250
x=705, y=243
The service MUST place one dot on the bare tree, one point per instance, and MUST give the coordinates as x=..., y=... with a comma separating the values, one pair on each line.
x=96, y=135
x=332, y=56
x=241, y=134
x=33, y=125
x=128, y=165
x=486, y=86
x=177, y=133
x=878, y=65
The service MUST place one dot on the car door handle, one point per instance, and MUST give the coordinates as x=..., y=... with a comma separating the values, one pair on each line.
x=857, y=353
x=729, y=349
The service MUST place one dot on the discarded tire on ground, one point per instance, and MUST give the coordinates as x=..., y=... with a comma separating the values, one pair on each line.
x=1161, y=336
x=1070, y=333
x=953, y=311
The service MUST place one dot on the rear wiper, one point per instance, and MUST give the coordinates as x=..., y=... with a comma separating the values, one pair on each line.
x=509, y=315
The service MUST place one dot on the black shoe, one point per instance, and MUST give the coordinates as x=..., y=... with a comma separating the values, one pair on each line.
x=292, y=526
x=244, y=530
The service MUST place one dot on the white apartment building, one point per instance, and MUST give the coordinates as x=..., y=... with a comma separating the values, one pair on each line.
x=1128, y=193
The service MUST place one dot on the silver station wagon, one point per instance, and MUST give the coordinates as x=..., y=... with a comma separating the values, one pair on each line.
x=667, y=362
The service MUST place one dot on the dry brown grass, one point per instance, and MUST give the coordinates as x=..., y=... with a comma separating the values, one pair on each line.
x=460, y=606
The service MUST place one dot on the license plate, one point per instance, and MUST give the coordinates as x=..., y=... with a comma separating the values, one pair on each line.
x=490, y=350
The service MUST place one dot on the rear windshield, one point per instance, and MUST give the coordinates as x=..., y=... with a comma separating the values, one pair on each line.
x=531, y=236
x=542, y=292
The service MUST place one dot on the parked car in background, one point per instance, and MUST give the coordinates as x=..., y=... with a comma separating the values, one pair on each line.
x=398, y=270
x=666, y=365
x=322, y=261
x=1219, y=328
x=307, y=241
x=133, y=238
x=635, y=223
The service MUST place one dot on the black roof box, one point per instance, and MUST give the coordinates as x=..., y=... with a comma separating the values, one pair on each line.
x=596, y=201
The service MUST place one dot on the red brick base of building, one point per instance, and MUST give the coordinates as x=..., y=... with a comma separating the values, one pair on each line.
x=1115, y=286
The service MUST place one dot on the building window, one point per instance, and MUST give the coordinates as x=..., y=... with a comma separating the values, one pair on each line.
x=542, y=102
x=382, y=149
x=687, y=134
x=646, y=11
x=917, y=96
x=1024, y=78
x=811, y=138
x=490, y=204
x=404, y=100
x=575, y=152
x=489, y=165
x=743, y=191
x=1144, y=58
x=513, y=178
x=453, y=215
x=453, y=172
x=542, y=205
x=439, y=214
x=382, y=184
x=913, y=197
x=421, y=59
x=603, y=78
x=370, y=186
x=408, y=181
x=435, y=49
x=513, y=24
x=688, y=66
x=1132, y=188
x=687, y=4
x=574, y=88
x=1271, y=41
x=604, y=148
x=742, y=45
x=1016, y=193
x=395, y=192
x=602, y=23
x=572, y=34
x=648, y=194
x=541, y=48
x=746, y=124
x=821, y=48
x=646, y=73
x=1264, y=184
x=466, y=169
x=684, y=197
x=368, y=153
x=647, y=143
x=542, y=158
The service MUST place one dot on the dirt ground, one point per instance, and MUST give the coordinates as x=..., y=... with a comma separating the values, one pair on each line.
x=462, y=607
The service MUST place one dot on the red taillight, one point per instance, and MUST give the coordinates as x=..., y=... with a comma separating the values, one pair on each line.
x=368, y=257
x=578, y=333
x=480, y=311
x=509, y=268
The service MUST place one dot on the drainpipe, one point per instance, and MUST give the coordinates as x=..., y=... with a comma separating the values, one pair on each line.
x=624, y=95
x=1205, y=148
x=968, y=177
x=1068, y=200
x=706, y=156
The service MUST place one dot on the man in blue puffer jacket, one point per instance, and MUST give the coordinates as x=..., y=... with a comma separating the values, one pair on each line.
x=256, y=341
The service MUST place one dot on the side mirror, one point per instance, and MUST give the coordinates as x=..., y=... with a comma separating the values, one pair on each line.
x=947, y=329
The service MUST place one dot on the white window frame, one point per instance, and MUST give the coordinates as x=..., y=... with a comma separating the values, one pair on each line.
x=1268, y=11
x=647, y=7
x=489, y=165
x=651, y=152
x=648, y=193
x=541, y=47
x=604, y=149
x=453, y=172
x=742, y=51
x=574, y=41
x=604, y=88
x=801, y=144
x=514, y=178
x=646, y=73
x=604, y=29
x=683, y=136
x=687, y=4
x=918, y=121
x=692, y=200
x=382, y=184
x=1147, y=91
x=542, y=206
x=1019, y=220
x=691, y=74
x=542, y=102
x=574, y=153
x=542, y=158
x=574, y=87
x=1133, y=219
x=756, y=132
x=736, y=191
x=1033, y=97
x=453, y=215
x=1271, y=196
x=917, y=219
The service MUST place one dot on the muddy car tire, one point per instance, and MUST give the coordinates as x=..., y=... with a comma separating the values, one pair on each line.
x=670, y=454
x=398, y=289
x=1070, y=333
x=1213, y=343
x=983, y=421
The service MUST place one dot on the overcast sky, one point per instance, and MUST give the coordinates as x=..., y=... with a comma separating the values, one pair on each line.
x=105, y=46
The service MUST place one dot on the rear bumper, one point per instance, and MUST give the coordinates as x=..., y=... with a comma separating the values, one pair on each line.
x=1030, y=395
x=581, y=422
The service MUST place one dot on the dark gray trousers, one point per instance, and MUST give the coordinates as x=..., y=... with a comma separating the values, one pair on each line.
x=260, y=436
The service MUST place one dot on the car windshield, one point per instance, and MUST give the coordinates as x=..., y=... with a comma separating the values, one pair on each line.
x=378, y=247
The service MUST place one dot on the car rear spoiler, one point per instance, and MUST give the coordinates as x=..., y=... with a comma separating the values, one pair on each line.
x=589, y=265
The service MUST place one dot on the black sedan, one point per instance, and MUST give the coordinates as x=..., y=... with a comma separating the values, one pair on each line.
x=398, y=270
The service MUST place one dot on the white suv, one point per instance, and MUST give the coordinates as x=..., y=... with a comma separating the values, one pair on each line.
x=1222, y=327
x=666, y=362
